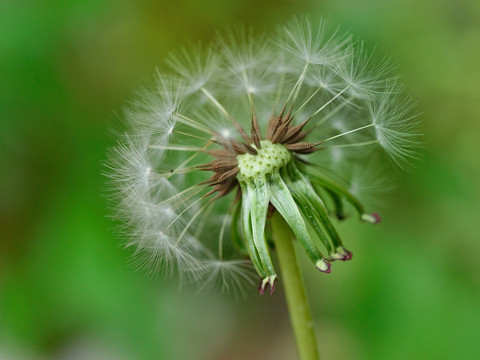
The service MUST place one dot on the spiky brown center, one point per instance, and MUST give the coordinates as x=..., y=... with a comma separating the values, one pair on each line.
x=252, y=154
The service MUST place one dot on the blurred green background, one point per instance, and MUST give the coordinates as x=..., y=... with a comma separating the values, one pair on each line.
x=66, y=289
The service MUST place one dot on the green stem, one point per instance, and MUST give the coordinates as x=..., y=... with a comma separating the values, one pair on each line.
x=291, y=278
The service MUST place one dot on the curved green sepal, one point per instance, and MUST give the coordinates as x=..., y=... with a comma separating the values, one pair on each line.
x=286, y=206
x=308, y=211
x=333, y=186
x=247, y=230
x=337, y=203
x=303, y=185
x=235, y=229
x=258, y=193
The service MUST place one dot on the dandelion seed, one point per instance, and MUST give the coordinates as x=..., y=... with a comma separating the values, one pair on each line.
x=252, y=126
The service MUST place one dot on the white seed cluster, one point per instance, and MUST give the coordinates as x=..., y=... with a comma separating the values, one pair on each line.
x=270, y=157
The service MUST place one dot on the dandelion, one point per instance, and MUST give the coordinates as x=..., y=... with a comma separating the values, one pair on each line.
x=252, y=134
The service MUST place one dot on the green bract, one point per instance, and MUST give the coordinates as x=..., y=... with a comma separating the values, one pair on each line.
x=272, y=178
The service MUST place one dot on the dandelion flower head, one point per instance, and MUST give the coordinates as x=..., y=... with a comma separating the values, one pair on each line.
x=248, y=126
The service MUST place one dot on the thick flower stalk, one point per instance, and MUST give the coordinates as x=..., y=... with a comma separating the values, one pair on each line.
x=248, y=127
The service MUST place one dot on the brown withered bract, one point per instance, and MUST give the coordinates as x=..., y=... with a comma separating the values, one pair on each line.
x=279, y=131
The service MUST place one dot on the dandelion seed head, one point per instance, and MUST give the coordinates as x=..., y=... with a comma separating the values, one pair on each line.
x=289, y=122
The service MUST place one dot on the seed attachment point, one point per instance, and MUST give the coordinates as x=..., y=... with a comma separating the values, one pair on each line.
x=324, y=266
x=372, y=218
x=266, y=282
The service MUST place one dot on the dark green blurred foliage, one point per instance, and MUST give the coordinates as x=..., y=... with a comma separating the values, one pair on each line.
x=66, y=289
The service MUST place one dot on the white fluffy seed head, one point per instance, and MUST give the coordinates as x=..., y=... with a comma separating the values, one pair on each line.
x=396, y=130
x=195, y=65
x=355, y=109
x=247, y=69
x=312, y=42
x=362, y=72
x=228, y=275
